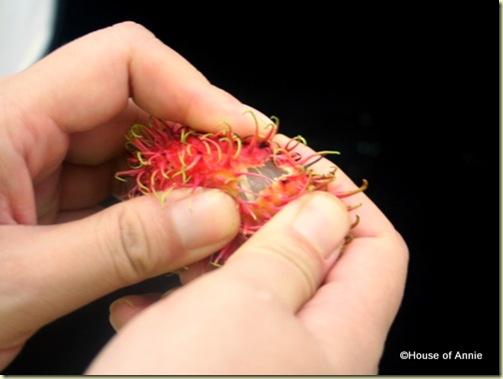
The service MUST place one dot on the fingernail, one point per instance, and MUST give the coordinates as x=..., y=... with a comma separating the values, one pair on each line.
x=116, y=325
x=120, y=301
x=324, y=222
x=206, y=219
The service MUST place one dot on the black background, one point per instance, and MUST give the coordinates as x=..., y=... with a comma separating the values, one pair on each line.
x=408, y=94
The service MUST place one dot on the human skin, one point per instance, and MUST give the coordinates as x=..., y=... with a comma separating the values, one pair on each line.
x=61, y=141
x=290, y=305
x=63, y=124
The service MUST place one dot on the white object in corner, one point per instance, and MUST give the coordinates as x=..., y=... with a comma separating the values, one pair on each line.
x=26, y=30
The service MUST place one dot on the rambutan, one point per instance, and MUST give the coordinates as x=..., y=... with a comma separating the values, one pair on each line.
x=258, y=173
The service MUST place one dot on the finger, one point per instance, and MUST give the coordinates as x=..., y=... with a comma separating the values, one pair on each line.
x=8, y=354
x=98, y=73
x=372, y=220
x=372, y=271
x=291, y=254
x=363, y=291
x=106, y=141
x=77, y=188
x=126, y=308
x=360, y=299
x=51, y=270
x=194, y=271
x=83, y=186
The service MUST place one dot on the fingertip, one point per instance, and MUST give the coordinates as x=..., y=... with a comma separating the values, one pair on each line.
x=126, y=308
x=195, y=270
x=324, y=222
x=210, y=108
x=205, y=220
x=291, y=254
x=147, y=236
x=119, y=313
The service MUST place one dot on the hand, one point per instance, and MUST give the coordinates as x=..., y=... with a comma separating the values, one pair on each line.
x=62, y=133
x=292, y=300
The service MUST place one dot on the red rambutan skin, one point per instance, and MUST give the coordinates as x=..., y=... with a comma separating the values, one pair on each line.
x=259, y=174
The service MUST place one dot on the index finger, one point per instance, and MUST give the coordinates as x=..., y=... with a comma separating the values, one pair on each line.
x=98, y=73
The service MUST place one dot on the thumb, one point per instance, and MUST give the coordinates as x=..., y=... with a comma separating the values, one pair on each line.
x=59, y=268
x=290, y=255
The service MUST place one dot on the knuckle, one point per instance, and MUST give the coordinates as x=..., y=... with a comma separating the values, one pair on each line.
x=131, y=27
x=128, y=36
x=299, y=257
x=304, y=258
x=132, y=254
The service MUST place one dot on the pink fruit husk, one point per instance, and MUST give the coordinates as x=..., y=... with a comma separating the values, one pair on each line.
x=258, y=173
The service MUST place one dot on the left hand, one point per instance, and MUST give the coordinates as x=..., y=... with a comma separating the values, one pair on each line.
x=62, y=126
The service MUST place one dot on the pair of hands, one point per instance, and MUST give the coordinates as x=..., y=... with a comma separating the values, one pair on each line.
x=286, y=302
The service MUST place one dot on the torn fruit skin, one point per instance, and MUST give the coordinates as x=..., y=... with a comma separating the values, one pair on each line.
x=259, y=174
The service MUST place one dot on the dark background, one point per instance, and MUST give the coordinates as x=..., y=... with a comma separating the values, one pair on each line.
x=408, y=94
